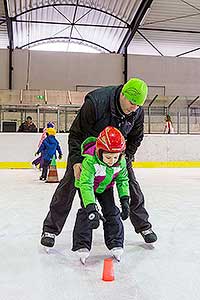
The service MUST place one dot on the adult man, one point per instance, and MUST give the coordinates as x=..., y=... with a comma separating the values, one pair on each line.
x=118, y=106
x=27, y=126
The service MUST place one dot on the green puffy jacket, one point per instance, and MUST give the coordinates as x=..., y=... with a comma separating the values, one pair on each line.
x=96, y=176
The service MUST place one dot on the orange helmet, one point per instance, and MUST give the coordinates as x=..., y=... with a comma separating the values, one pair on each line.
x=111, y=140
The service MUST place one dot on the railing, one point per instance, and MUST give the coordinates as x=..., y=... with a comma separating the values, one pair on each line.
x=62, y=106
x=61, y=115
x=184, y=112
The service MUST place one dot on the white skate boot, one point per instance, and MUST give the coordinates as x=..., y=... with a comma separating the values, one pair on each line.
x=83, y=254
x=117, y=253
x=48, y=241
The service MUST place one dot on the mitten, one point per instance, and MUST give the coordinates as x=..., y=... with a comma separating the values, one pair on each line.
x=93, y=216
x=125, y=207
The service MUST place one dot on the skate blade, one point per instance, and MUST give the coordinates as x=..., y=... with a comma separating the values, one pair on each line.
x=117, y=253
x=117, y=258
x=83, y=260
x=83, y=254
x=148, y=246
x=47, y=249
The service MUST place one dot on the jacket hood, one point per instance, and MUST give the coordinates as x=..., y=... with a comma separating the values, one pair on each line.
x=88, y=147
x=51, y=139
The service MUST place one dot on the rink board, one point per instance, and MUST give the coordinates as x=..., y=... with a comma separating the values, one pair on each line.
x=156, y=151
x=147, y=164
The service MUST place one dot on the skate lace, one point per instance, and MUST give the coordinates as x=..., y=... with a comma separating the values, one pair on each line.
x=50, y=235
x=148, y=231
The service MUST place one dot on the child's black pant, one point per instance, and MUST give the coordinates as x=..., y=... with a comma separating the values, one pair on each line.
x=45, y=168
x=113, y=227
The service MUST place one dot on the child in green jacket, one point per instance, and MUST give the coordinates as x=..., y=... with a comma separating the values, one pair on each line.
x=103, y=165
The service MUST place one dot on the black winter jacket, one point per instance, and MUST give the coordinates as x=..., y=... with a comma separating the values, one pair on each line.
x=100, y=109
x=24, y=127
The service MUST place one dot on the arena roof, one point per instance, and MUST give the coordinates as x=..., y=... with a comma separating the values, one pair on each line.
x=150, y=27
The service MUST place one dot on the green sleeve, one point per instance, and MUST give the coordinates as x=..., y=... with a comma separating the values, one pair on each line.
x=122, y=180
x=86, y=183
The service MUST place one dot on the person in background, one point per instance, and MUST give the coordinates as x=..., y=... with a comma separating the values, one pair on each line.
x=39, y=160
x=49, y=147
x=168, y=129
x=102, y=166
x=27, y=126
x=119, y=106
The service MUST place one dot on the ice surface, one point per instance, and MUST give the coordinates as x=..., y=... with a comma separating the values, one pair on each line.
x=168, y=271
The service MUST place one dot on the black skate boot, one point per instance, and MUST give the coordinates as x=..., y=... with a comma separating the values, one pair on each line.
x=149, y=236
x=48, y=239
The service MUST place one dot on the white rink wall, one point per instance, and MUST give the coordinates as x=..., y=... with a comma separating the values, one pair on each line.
x=160, y=147
x=20, y=147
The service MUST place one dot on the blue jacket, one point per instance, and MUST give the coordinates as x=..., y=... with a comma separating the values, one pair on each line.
x=49, y=147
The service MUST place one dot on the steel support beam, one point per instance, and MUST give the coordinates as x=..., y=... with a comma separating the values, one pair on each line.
x=38, y=118
x=66, y=38
x=2, y=22
x=168, y=30
x=139, y=15
x=189, y=4
x=172, y=102
x=171, y=19
x=188, y=113
x=11, y=46
x=148, y=41
x=79, y=5
x=149, y=113
x=125, y=72
x=187, y=52
x=178, y=122
x=70, y=24
x=74, y=17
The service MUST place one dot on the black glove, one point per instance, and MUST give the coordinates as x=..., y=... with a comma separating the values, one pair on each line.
x=125, y=207
x=60, y=156
x=129, y=159
x=93, y=216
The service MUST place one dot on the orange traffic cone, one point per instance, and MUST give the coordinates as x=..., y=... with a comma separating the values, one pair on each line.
x=53, y=174
x=108, y=270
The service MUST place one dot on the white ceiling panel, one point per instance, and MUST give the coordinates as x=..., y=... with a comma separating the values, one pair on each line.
x=3, y=27
x=140, y=46
x=172, y=27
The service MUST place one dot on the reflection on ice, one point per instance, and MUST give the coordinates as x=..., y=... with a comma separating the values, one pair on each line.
x=169, y=269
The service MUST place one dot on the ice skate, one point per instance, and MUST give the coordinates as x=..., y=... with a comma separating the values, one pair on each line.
x=83, y=254
x=48, y=241
x=47, y=249
x=34, y=166
x=149, y=236
x=117, y=253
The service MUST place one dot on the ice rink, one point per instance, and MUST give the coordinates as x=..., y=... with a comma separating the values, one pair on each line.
x=168, y=271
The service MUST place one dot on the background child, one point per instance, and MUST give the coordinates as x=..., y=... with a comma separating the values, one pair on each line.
x=39, y=160
x=103, y=165
x=168, y=125
x=49, y=147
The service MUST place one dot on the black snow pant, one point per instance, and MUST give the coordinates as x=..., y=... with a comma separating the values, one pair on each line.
x=45, y=168
x=113, y=227
x=61, y=203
